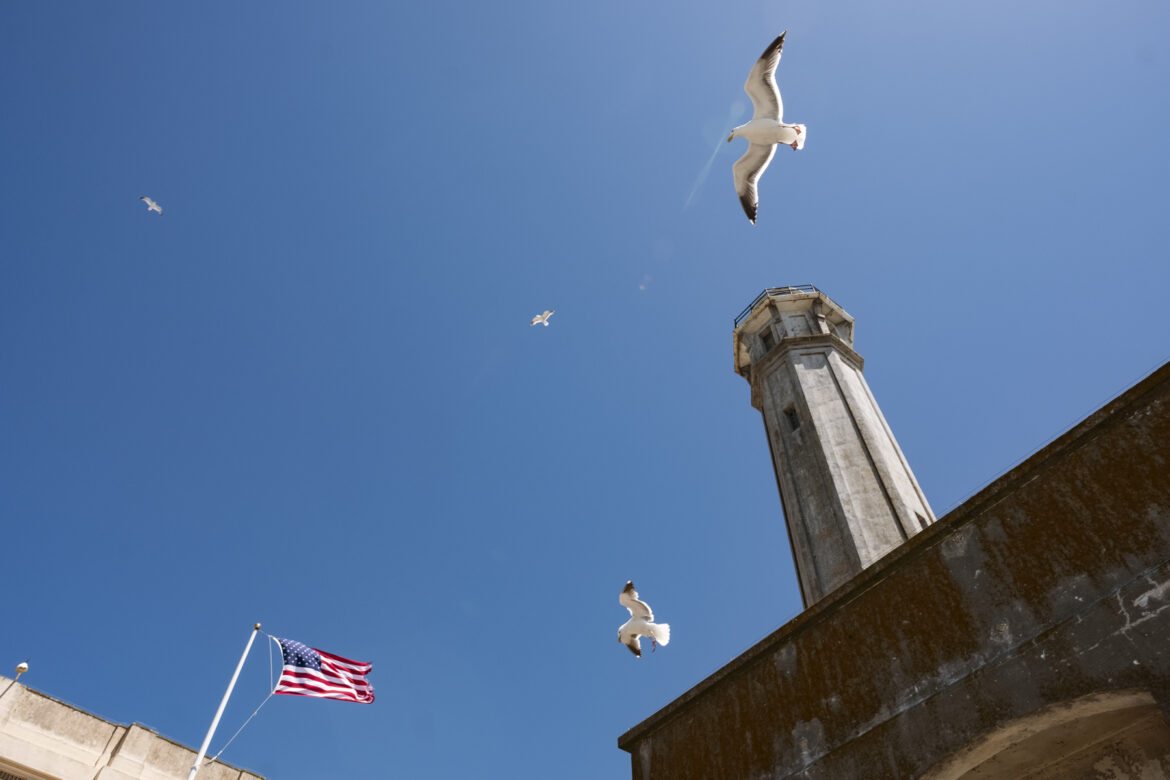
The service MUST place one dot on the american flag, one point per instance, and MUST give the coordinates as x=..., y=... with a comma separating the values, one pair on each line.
x=309, y=672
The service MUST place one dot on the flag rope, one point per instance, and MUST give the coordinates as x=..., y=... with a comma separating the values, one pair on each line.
x=249, y=720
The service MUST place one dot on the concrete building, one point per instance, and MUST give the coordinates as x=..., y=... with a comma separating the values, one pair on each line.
x=848, y=494
x=1026, y=634
x=42, y=738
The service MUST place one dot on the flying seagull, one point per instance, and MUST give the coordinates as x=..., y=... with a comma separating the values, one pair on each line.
x=151, y=205
x=766, y=128
x=543, y=318
x=641, y=623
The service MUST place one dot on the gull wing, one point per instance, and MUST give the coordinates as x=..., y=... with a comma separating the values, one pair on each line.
x=761, y=83
x=633, y=643
x=638, y=609
x=747, y=171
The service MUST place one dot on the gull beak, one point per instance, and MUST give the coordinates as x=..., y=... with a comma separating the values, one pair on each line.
x=729, y=138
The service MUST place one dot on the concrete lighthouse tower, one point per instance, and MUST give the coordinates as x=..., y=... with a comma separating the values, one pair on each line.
x=848, y=494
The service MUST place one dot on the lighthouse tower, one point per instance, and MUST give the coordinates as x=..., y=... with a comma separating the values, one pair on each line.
x=847, y=492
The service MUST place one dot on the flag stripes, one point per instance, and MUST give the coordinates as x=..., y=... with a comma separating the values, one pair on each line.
x=311, y=672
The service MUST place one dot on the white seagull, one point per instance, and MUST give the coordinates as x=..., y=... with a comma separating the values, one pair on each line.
x=641, y=623
x=151, y=205
x=766, y=128
x=543, y=318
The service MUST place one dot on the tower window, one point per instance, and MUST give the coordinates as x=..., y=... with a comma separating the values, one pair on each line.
x=921, y=521
x=793, y=420
x=767, y=339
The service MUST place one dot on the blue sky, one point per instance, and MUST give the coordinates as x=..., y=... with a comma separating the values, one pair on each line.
x=308, y=394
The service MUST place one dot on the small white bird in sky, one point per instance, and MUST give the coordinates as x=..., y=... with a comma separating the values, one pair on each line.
x=151, y=205
x=543, y=318
x=641, y=623
x=766, y=128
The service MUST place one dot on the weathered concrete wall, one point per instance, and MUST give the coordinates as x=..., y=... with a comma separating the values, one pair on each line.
x=1119, y=734
x=1050, y=585
x=41, y=737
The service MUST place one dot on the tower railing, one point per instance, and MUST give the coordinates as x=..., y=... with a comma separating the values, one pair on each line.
x=774, y=292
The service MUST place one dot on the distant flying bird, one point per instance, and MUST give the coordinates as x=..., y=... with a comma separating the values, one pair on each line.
x=765, y=130
x=543, y=318
x=151, y=205
x=641, y=623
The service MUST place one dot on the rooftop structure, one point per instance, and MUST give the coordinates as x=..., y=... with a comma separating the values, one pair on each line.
x=848, y=494
x=1024, y=634
x=42, y=738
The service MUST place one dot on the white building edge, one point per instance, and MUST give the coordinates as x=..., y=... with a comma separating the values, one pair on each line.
x=42, y=738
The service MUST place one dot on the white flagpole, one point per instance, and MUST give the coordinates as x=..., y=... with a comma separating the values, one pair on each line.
x=218, y=713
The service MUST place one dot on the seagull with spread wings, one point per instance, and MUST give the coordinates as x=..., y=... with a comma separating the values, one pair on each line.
x=151, y=205
x=543, y=318
x=765, y=130
x=641, y=623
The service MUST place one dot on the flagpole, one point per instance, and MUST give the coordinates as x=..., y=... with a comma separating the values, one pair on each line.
x=218, y=713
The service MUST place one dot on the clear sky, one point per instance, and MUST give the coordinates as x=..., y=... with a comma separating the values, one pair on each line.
x=308, y=394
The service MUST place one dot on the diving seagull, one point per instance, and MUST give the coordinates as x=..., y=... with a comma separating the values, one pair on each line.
x=151, y=205
x=543, y=318
x=641, y=623
x=766, y=128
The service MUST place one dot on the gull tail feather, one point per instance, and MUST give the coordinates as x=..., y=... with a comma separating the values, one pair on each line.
x=661, y=633
x=800, y=138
